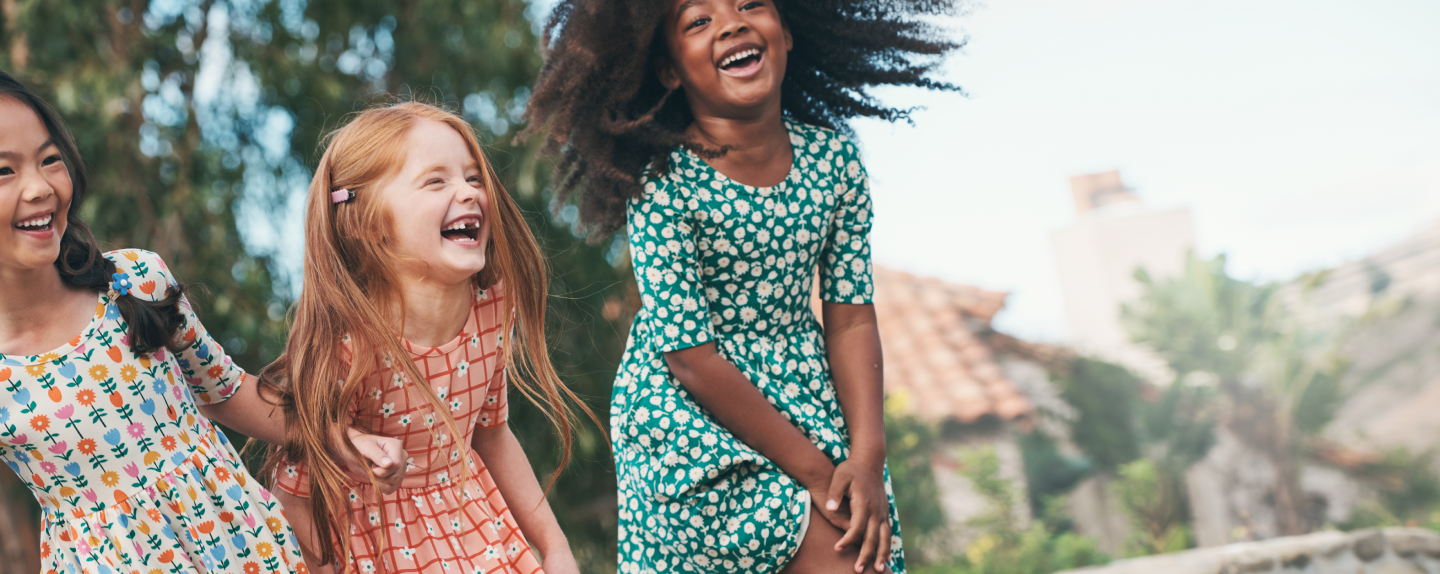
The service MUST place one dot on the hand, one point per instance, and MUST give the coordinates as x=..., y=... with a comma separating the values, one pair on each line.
x=562, y=562
x=869, y=511
x=385, y=457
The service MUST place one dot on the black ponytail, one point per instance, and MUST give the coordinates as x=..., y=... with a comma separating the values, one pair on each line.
x=153, y=324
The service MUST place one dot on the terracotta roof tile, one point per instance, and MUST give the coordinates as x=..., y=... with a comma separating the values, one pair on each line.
x=936, y=366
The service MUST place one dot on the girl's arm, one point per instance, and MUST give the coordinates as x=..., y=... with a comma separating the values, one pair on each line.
x=253, y=416
x=852, y=342
x=740, y=407
x=509, y=467
x=297, y=513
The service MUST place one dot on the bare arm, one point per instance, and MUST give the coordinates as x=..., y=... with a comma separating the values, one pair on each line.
x=250, y=414
x=297, y=513
x=742, y=409
x=255, y=416
x=852, y=342
x=513, y=475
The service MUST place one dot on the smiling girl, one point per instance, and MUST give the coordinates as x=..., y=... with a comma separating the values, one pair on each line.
x=108, y=382
x=748, y=438
x=423, y=290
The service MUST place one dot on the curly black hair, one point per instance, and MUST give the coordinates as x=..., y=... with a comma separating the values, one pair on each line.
x=609, y=117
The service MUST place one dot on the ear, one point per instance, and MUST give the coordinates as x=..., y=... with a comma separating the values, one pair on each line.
x=665, y=69
x=789, y=40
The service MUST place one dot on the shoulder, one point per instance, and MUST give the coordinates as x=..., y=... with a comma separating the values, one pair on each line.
x=823, y=142
x=678, y=191
x=142, y=273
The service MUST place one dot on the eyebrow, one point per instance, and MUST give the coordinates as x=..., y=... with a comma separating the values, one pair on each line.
x=10, y=155
x=686, y=6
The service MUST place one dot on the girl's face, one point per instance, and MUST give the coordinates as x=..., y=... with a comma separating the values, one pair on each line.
x=439, y=203
x=728, y=55
x=35, y=189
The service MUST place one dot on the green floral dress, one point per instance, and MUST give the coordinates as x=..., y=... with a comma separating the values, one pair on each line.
x=720, y=261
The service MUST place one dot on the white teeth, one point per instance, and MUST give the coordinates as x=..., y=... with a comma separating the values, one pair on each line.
x=459, y=226
x=739, y=56
x=35, y=222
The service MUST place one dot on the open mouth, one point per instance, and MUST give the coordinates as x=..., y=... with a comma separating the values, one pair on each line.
x=37, y=223
x=465, y=229
x=742, y=61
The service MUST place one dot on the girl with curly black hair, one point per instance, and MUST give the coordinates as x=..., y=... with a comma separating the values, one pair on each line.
x=748, y=438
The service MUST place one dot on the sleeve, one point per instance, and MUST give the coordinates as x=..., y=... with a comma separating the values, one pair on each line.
x=665, y=253
x=496, y=410
x=208, y=371
x=845, y=268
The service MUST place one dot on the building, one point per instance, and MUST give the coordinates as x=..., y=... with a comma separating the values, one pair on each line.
x=1114, y=235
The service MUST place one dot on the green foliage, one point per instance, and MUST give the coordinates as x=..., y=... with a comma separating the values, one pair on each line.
x=909, y=443
x=1004, y=546
x=1154, y=499
x=1408, y=488
x=1105, y=397
x=1048, y=472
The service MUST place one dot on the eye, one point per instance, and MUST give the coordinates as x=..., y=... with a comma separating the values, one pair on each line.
x=752, y=5
x=6, y=171
x=698, y=22
x=54, y=159
x=475, y=179
x=435, y=181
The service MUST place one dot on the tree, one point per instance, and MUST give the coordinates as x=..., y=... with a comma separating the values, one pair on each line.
x=1282, y=381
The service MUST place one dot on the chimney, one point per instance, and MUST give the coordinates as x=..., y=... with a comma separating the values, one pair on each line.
x=1096, y=190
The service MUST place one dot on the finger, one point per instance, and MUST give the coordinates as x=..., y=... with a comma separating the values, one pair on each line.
x=372, y=451
x=883, y=557
x=867, y=548
x=838, y=487
x=853, y=533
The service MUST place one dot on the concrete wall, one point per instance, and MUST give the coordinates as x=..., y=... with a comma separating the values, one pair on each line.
x=1097, y=258
x=1387, y=551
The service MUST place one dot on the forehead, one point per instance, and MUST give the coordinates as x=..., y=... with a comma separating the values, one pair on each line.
x=430, y=142
x=20, y=126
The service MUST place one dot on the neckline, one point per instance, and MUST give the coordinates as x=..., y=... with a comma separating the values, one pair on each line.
x=793, y=175
x=471, y=329
x=101, y=310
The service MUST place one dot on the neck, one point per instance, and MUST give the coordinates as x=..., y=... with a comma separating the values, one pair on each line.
x=753, y=140
x=32, y=301
x=434, y=312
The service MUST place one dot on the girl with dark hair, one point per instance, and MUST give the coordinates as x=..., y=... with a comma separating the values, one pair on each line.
x=748, y=438
x=108, y=382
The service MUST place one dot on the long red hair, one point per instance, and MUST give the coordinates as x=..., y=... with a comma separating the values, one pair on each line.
x=351, y=284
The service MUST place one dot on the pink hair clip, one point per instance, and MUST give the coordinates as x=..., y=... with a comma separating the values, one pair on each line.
x=341, y=195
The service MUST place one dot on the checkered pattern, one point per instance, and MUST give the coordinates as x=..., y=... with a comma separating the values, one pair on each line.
x=433, y=524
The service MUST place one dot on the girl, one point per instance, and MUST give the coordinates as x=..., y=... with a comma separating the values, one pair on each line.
x=417, y=263
x=741, y=426
x=108, y=382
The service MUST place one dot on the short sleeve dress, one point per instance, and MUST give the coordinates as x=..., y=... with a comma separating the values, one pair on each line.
x=434, y=522
x=720, y=261
x=131, y=478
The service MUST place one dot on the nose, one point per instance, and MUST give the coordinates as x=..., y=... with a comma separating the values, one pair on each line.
x=731, y=24
x=470, y=194
x=34, y=186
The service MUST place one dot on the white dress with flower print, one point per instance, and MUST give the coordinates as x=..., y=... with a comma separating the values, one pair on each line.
x=720, y=261
x=131, y=478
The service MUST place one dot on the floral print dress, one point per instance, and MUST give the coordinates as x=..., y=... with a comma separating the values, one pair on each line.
x=131, y=478
x=436, y=521
x=720, y=261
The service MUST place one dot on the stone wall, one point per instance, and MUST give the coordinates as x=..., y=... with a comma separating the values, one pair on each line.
x=1386, y=551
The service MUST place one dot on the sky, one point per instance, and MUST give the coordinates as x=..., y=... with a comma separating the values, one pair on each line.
x=1300, y=134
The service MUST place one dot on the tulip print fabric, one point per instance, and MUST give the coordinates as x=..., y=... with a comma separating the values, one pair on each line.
x=720, y=261
x=131, y=478
x=436, y=521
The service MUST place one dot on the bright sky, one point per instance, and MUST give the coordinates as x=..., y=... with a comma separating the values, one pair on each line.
x=1301, y=133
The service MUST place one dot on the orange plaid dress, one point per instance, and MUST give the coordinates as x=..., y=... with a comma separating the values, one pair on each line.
x=434, y=523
